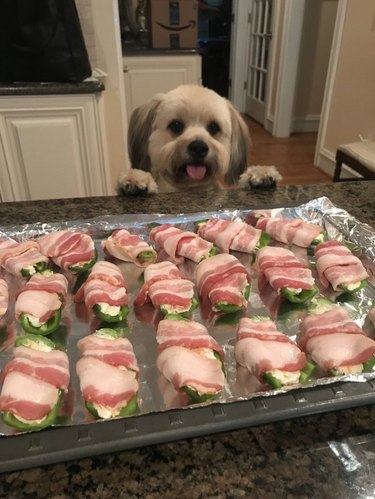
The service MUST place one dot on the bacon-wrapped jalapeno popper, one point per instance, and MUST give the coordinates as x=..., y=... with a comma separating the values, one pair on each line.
x=288, y=230
x=336, y=343
x=22, y=259
x=129, y=248
x=107, y=372
x=167, y=289
x=338, y=267
x=224, y=282
x=269, y=354
x=34, y=382
x=190, y=358
x=40, y=302
x=286, y=274
x=179, y=244
x=105, y=293
x=4, y=297
x=233, y=235
x=73, y=251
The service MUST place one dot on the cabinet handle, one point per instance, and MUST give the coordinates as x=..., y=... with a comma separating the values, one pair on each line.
x=126, y=69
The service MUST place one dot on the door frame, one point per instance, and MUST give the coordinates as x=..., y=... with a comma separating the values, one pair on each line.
x=287, y=26
x=324, y=159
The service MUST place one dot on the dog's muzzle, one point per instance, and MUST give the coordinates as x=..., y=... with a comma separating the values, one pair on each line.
x=197, y=169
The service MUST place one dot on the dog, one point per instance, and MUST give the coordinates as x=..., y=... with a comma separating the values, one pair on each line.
x=189, y=138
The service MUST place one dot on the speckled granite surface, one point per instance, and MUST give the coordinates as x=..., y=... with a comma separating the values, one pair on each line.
x=50, y=88
x=329, y=455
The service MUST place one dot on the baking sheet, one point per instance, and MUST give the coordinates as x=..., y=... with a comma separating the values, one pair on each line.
x=156, y=395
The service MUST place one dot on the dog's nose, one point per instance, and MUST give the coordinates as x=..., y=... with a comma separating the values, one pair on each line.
x=198, y=149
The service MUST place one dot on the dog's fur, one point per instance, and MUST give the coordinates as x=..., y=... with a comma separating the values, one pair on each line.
x=188, y=138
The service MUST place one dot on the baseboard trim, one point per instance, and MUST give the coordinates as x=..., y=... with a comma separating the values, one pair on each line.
x=306, y=124
x=327, y=163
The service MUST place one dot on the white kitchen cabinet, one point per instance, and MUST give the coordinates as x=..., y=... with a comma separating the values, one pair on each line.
x=146, y=75
x=51, y=146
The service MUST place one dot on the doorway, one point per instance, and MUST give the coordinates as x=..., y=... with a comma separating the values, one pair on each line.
x=287, y=54
x=260, y=35
x=214, y=39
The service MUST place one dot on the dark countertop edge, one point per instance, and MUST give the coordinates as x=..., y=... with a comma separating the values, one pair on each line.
x=50, y=88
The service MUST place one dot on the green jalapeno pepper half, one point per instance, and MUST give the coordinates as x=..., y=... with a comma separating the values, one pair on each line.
x=38, y=267
x=81, y=278
x=302, y=297
x=44, y=329
x=83, y=267
x=11, y=419
x=106, y=332
x=213, y=251
x=124, y=311
x=304, y=376
x=144, y=256
x=229, y=308
x=194, y=304
x=36, y=342
x=264, y=240
x=346, y=289
x=127, y=410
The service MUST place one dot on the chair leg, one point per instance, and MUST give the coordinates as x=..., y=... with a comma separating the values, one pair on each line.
x=339, y=159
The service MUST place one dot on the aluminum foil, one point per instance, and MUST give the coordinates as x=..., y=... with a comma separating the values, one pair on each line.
x=156, y=393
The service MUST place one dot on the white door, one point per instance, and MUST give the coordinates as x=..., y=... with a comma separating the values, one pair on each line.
x=260, y=20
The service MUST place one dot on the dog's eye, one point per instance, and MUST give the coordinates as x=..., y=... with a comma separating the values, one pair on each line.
x=213, y=128
x=176, y=127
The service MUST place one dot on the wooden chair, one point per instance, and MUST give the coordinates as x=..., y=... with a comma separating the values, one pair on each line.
x=359, y=156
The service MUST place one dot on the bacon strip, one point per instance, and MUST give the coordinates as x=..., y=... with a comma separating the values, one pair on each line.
x=222, y=278
x=336, y=265
x=67, y=248
x=127, y=247
x=185, y=367
x=104, y=384
x=289, y=230
x=173, y=292
x=188, y=334
x=4, y=297
x=333, y=339
x=371, y=315
x=177, y=291
x=51, y=367
x=26, y=397
x=117, y=352
x=230, y=235
x=42, y=296
x=16, y=256
x=179, y=244
x=282, y=269
x=105, y=284
x=260, y=347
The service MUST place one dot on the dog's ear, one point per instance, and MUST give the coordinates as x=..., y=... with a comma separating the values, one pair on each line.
x=240, y=146
x=139, y=131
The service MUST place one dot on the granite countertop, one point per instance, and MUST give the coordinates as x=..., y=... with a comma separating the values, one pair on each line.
x=328, y=455
x=88, y=86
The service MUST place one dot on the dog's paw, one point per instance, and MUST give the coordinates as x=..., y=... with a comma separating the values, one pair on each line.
x=136, y=183
x=260, y=177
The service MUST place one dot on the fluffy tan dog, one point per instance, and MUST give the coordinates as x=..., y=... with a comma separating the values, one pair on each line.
x=188, y=138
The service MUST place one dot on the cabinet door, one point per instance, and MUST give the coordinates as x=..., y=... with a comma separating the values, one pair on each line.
x=146, y=76
x=51, y=148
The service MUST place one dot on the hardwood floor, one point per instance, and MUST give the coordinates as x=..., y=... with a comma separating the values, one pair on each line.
x=292, y=156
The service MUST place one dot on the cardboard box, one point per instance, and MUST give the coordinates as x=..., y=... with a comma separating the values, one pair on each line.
x=173, y=24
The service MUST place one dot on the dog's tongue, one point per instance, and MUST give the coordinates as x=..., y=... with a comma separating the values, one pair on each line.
x=196, y=172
